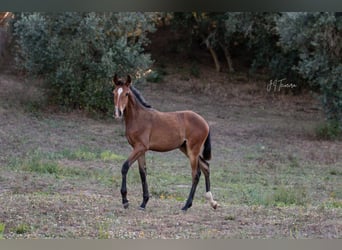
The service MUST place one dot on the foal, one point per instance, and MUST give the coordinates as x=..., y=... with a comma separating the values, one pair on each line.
x=149, y=129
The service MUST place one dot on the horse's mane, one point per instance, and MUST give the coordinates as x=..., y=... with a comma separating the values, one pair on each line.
x=139, y=97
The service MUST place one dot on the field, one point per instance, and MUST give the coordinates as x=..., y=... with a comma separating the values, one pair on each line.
x=60, y=173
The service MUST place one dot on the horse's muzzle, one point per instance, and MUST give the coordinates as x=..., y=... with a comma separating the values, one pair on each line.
x=117, y=113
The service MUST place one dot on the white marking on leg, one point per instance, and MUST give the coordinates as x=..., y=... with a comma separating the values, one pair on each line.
x=209, y=197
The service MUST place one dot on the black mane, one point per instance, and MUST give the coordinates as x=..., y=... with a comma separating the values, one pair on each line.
x=139, y=97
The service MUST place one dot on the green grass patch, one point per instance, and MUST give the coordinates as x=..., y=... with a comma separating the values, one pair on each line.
x=253, y=195
x=33, y=159
x=50, y=163
x=103, y=231
x=2, y=230
x=109, y=156
x=42, y=166
x=280, y=196
x=284, y=196
x=86, y=154
x=333, y=203
x=22, y=228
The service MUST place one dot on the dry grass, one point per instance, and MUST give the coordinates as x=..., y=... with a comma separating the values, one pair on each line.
x=60, y=172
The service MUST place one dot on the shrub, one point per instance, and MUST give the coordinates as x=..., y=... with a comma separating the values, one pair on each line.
x=329, y=131
x=317, y=38
x=78, y=53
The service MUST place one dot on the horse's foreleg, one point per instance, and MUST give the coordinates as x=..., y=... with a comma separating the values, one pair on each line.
x=136, y=153
x=142, y=172
x=124, y=171
x=204, y=165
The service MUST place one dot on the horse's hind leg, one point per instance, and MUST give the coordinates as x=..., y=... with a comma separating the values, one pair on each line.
x=142, y=171
x=196, y=174
x=204, y=166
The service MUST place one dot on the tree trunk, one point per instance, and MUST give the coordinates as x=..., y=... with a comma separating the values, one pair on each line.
x=216, y=61
x=206, y=41
x=228, y=58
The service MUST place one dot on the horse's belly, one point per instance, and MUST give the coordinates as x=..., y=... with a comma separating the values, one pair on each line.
x=165, y=142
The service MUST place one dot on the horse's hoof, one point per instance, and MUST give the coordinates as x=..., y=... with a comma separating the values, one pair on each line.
x=215, y=205
x=125, y=205
x=141, y=208
x=185, y=208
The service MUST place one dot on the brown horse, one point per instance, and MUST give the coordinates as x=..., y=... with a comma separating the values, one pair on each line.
x=149, y=129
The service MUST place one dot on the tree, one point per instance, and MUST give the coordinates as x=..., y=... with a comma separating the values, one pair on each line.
x=317, y=38
x=78, y=53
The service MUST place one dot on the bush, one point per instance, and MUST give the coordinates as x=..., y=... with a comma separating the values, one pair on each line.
x=329, y=131
x=78, y=53
x=317, y=38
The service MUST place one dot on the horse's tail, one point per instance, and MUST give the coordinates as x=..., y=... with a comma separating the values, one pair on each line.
x=207, y=148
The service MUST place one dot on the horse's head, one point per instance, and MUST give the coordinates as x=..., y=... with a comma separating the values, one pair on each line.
x=121, y=93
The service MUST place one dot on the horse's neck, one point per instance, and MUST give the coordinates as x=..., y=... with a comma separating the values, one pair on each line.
x=134, y=111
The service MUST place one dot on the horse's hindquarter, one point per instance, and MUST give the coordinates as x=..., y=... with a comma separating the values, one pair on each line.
x=196, y=123
x=197, y=129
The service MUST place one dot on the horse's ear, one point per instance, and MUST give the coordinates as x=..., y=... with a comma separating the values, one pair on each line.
x=129, y=80
x=115, y=79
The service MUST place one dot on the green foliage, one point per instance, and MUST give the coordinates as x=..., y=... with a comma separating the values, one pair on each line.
x=78, y=53
x=330, y=130
x=184, y=24
x=317, y=38
x=254, y=33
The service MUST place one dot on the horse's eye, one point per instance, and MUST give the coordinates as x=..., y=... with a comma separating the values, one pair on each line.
x=127, y=94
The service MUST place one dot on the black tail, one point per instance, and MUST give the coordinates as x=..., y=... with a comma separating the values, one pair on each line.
x=207, y=148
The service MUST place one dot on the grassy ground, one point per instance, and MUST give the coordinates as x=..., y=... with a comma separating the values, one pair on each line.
x=60, y=174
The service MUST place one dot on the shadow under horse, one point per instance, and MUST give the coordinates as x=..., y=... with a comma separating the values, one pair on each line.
x=150, y=129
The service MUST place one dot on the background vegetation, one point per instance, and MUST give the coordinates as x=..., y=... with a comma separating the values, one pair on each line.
x=304, y=48
x=273, y=172
x=79, y=52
